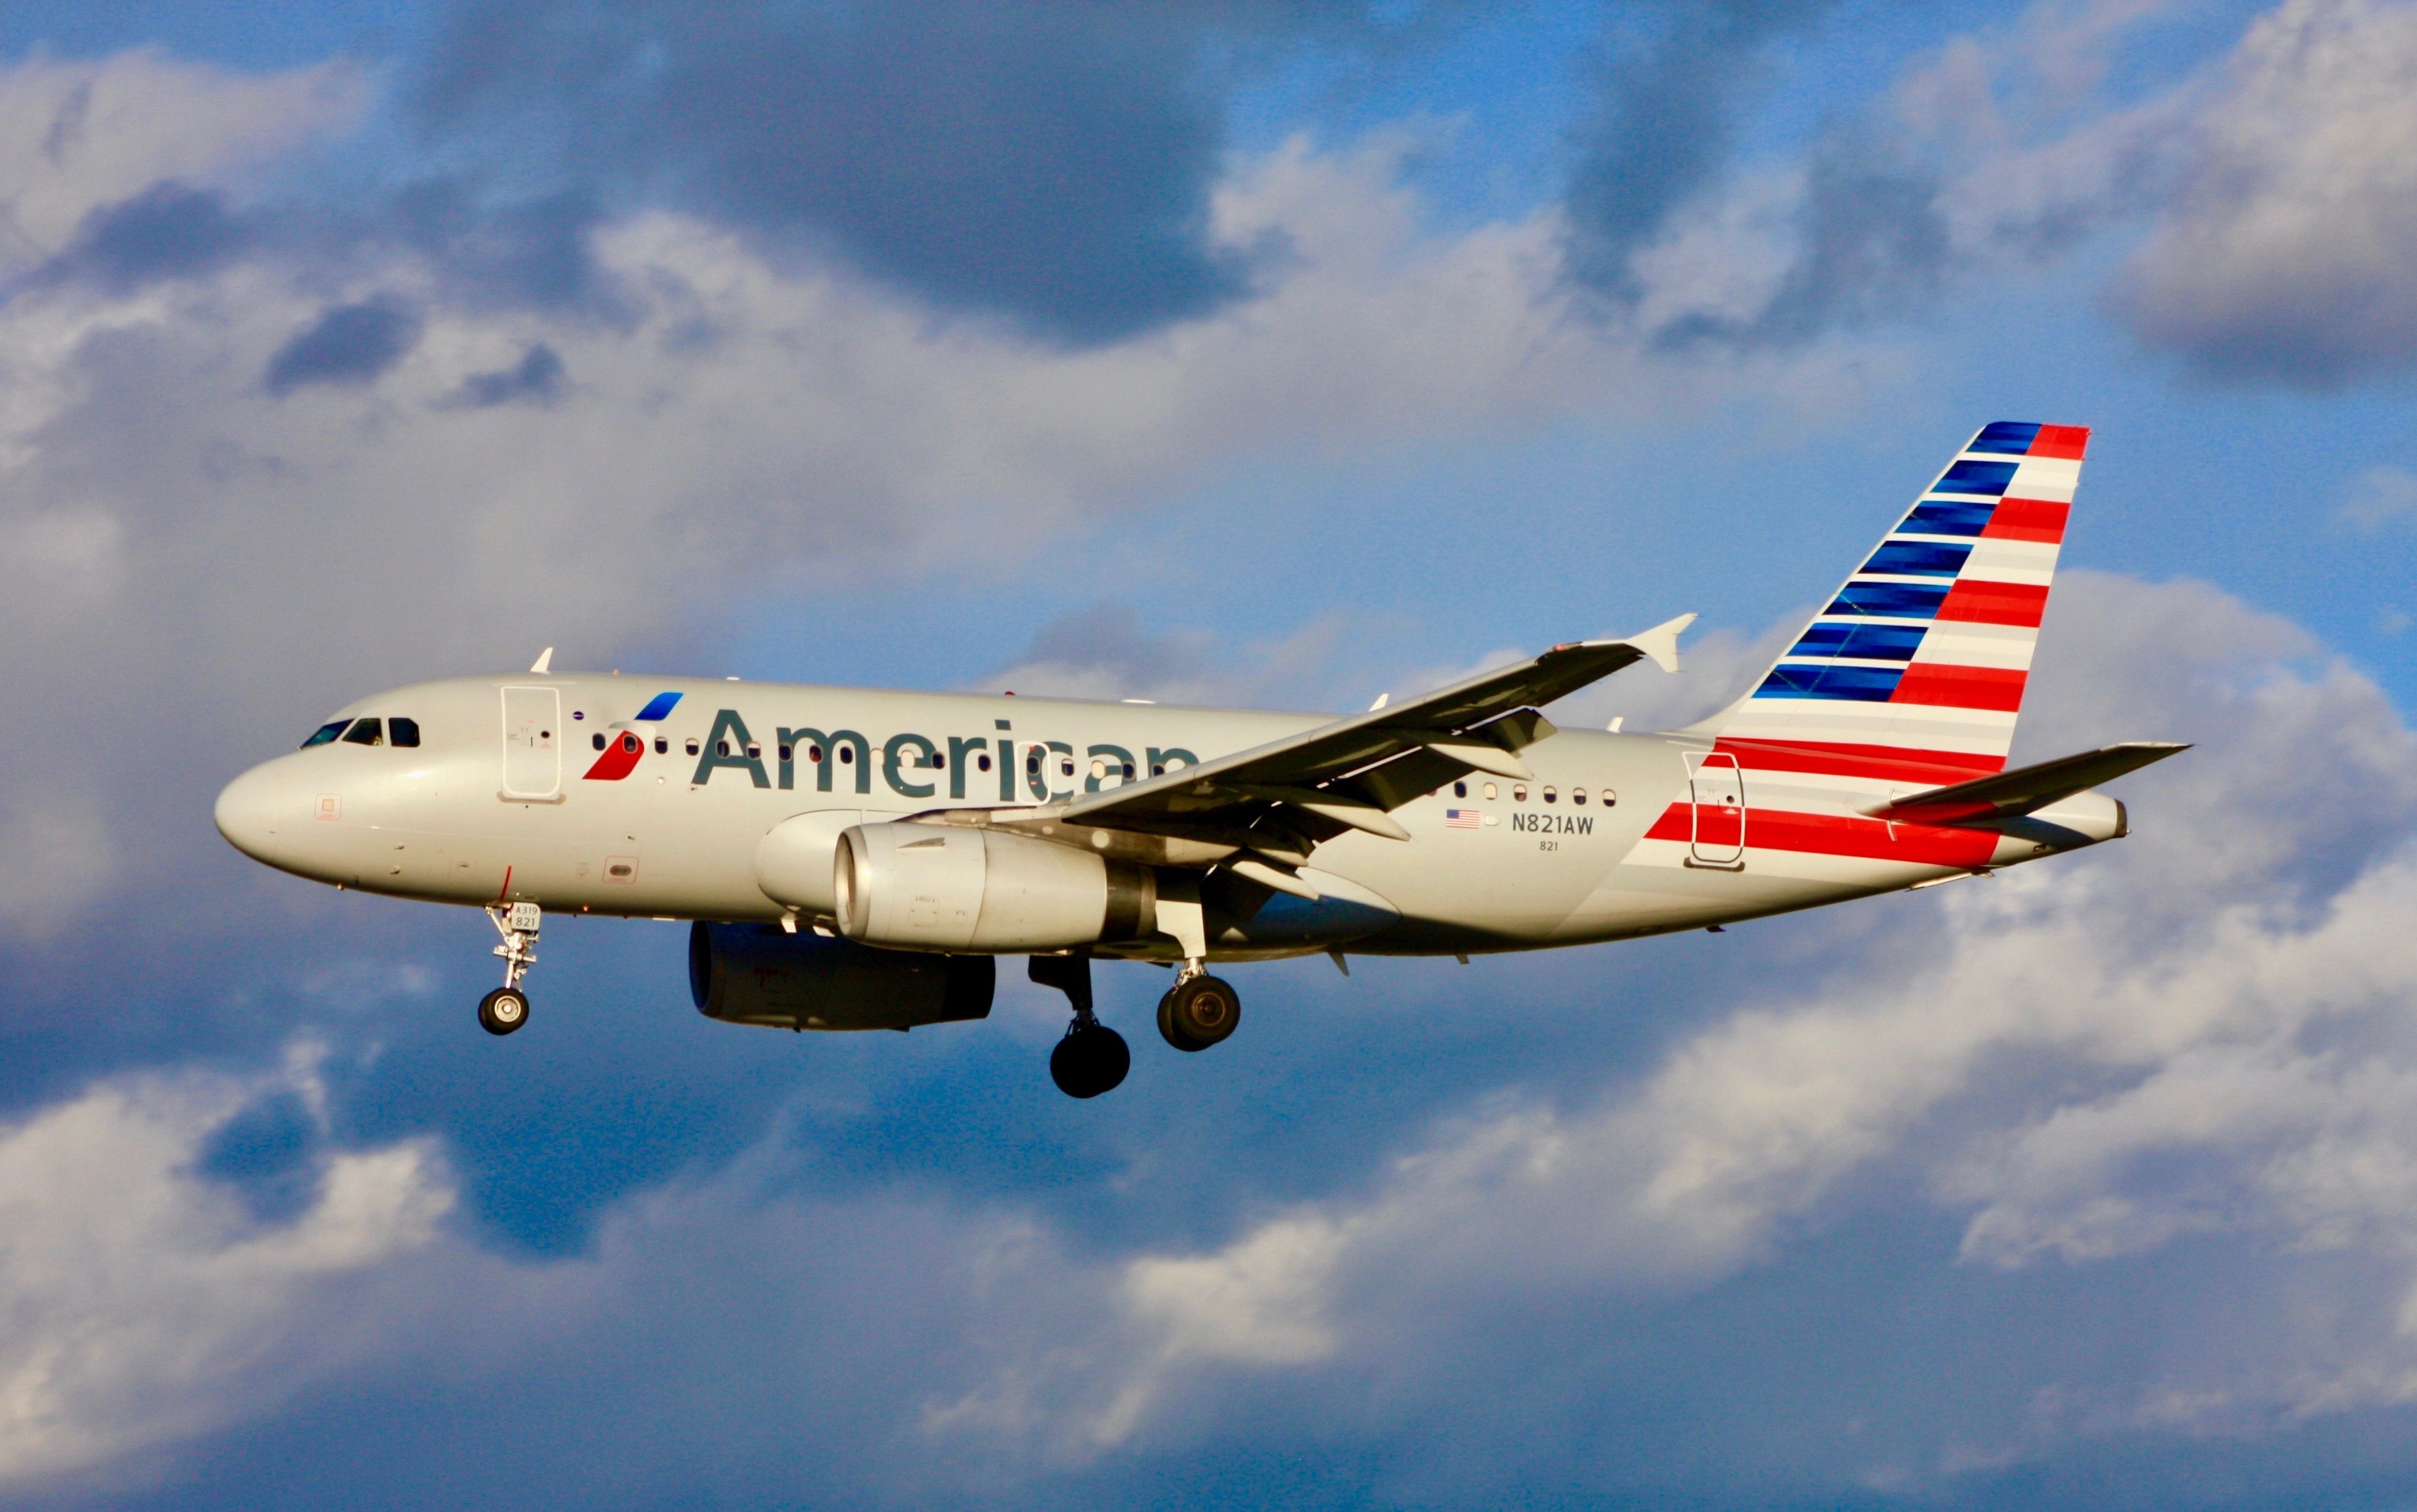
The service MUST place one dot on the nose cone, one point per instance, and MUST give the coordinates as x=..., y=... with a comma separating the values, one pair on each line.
x=261, y=814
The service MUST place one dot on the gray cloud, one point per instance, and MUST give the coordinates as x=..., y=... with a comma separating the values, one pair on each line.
x=537, y=378
x=1661, y=127
x=1048, y=163
x=1869, y=239
x=170, y=230
x=348, y=345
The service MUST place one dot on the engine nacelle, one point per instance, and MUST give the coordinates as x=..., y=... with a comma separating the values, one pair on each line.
x=942, y=887
x=760, y=974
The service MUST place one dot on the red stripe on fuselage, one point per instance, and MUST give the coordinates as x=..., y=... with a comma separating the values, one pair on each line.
x=2027, y=519
x=1844, y=835
x=1960, y=687
x=1978, y=602
x=1888, y=763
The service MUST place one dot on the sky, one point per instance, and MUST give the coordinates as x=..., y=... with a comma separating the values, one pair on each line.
x=1248, y=354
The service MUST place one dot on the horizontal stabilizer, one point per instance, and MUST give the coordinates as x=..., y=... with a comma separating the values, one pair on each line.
x=2024, y=789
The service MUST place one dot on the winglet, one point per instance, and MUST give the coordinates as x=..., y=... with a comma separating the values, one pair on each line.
x=1661, y=643
x=545, y=661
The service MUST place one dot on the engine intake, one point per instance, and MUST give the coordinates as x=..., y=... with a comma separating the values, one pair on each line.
x=940, y=886
x=760, y=974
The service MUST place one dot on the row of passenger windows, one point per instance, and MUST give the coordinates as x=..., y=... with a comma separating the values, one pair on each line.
x=1549, y=794
x=847, y=756
x=366, y=732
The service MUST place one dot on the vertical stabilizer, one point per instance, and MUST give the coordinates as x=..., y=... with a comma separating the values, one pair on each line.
x=1915, y=670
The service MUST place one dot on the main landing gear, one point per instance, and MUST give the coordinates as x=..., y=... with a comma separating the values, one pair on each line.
x=506, y=1008
x=1198, y=1011
x=1091, y=1058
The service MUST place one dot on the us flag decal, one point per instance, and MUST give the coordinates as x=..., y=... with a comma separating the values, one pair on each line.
x=1461, y=818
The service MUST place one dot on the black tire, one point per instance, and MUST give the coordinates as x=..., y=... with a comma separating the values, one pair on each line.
x=1199, y=1012
x=1090, y=1061
x=503, y=1011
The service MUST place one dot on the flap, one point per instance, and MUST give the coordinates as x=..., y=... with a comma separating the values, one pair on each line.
x=1345, y=774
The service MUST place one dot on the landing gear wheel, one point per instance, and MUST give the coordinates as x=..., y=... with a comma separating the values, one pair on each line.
x=502, y=1011
x=1198, y=1013
x=1090, y=1060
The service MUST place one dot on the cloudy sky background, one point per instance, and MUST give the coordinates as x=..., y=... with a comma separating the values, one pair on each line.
x=1235, y=352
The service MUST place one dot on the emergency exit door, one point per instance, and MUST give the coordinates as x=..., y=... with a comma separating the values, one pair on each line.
x=1718, y=789
x=532, y=743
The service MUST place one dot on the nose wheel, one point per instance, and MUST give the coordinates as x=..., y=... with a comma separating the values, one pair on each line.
x=506, y=1008
x=502, y=1011
x=1091, y=1058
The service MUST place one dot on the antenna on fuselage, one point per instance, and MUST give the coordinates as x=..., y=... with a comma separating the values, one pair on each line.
x=545, y=661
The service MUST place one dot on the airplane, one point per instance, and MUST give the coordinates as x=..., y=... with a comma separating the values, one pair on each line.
x=852, y=859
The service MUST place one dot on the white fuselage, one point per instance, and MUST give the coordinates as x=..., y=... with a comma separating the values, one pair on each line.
x=506, y=799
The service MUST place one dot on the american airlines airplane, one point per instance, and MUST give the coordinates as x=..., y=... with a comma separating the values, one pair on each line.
x=852, y=859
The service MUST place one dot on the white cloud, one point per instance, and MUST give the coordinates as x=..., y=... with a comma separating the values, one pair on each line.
x=2284, y=254
x=747, y=427
x=75, y=136
x=2379, y=497
x=2229, y=1005
x=143, y=1303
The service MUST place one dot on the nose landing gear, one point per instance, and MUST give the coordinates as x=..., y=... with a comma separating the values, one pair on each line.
x=506, y=1008
x=1091, y=1058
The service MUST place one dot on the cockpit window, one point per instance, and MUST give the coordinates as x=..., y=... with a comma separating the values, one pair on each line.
x=403, y=731
x=325, y=732
x=364, y=732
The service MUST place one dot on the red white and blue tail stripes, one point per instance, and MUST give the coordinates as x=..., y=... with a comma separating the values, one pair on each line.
x=1915, y=670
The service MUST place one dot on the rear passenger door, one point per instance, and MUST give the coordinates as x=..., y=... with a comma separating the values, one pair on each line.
x=532, y=743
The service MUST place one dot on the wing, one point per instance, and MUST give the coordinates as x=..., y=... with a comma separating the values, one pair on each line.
x=1282, y=800
x=1983, y=800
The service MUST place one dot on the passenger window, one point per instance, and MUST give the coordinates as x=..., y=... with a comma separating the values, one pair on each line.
x=365, y=732
x=629, y=744
x=403, y=731
x=1128, y=771
x=663, y=746
x=1551, y=797
x=847, y=756
x=939, y=762
x=1577, y=794
x=785, y=754
x=814, y=754
x=1519, y=794
x=1460, y=789
x=1066, y=768
x=754, y=753
x=598, y=740
x=692, y=748
x=325, y=732
x=983, y=763
x=721, y=748
x=1492, y=793
x=1609, y=798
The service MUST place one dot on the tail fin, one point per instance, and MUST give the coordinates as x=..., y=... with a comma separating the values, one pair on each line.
x=1915, y=671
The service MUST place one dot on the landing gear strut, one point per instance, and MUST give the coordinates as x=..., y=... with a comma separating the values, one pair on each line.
x=1093, y=1058
x=506, y=1008
x=1198, y=1011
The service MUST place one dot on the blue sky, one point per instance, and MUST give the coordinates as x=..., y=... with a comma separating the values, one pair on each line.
x=1243, y=354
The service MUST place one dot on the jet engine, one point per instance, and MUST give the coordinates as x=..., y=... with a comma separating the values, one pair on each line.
x=761, y=974
x=942, y=887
